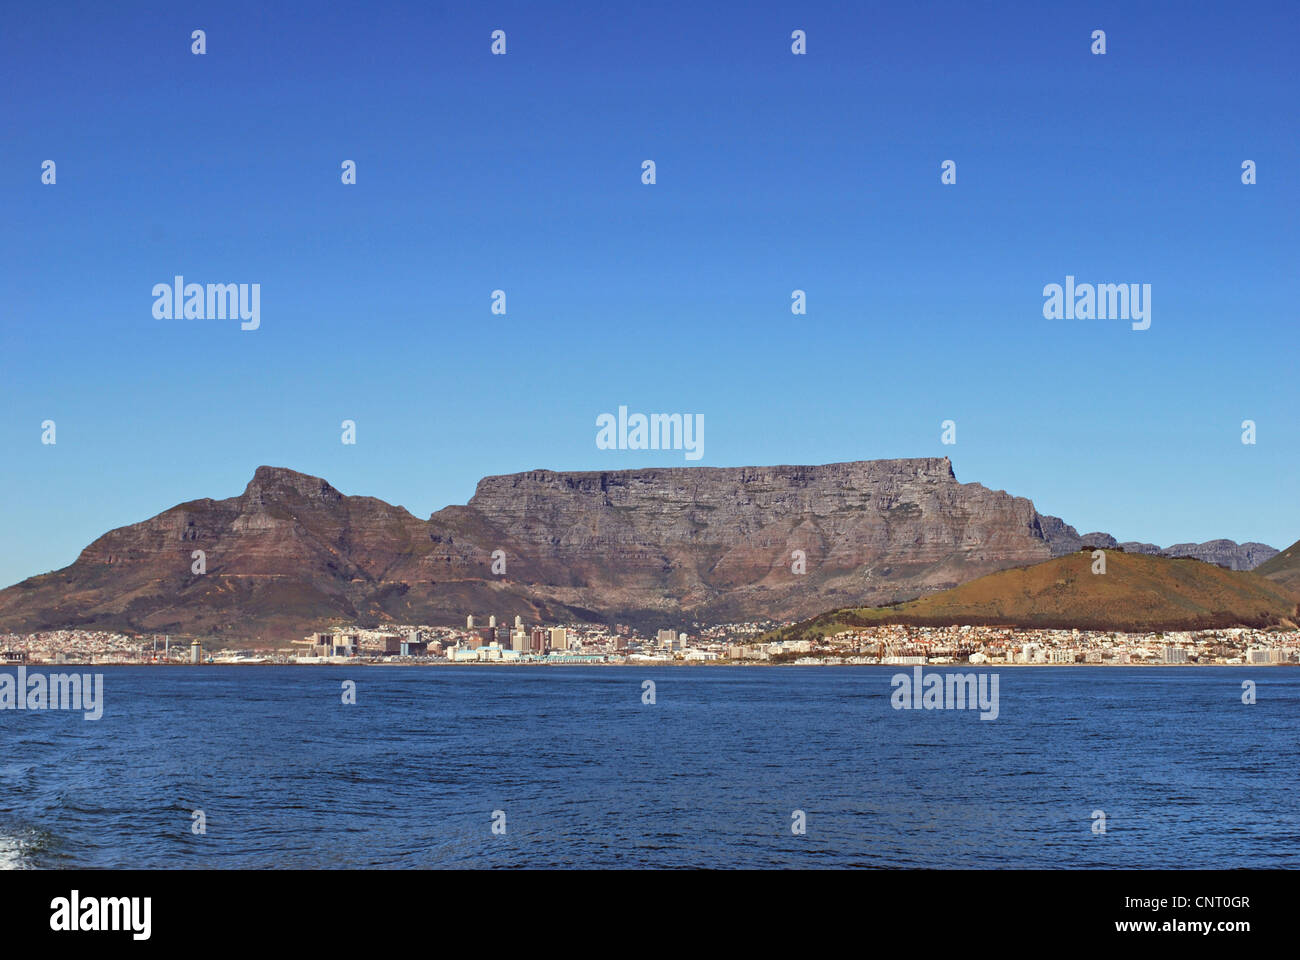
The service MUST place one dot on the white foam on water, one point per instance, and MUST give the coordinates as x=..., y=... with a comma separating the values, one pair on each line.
x=11, y=853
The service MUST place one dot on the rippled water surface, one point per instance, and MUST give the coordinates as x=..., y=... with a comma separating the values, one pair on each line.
x=588, y=775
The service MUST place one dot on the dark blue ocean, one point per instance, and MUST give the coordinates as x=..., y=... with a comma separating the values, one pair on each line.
x=587, y=775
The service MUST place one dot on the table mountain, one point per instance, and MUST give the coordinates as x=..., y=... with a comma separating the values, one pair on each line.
x=648, y=547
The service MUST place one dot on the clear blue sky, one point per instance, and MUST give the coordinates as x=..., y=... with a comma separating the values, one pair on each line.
x=522, y=172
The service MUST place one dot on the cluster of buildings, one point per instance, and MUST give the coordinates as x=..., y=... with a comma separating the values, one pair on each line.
x=741, y=643
x=899, y=644
x=477, y=642
x=494, y=642
x=95, y=646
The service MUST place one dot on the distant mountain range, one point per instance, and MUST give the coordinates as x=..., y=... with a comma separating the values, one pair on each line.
x=1224, y=553
x=1138, y=592
x=654, y=547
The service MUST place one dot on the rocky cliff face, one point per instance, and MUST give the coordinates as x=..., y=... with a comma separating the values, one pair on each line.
x=657, y=546
x=726, y=542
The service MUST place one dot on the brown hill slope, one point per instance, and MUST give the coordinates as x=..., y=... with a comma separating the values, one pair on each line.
x=1137, y=592
x=1284, y=569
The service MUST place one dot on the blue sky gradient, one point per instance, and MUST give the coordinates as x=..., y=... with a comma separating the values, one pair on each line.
x=775, y=172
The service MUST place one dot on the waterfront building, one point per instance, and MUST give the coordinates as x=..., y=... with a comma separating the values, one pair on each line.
x=384, y=645
x=343, y=645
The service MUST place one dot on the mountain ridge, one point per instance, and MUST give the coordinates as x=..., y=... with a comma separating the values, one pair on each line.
x=666, y=545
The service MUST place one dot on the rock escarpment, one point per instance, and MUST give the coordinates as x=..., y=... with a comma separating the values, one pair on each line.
x=655, y=546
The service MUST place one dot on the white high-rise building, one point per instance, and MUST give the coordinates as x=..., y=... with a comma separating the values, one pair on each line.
x=492, y=621
x=519, y=641
x=519, y=622
x=469, y=622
